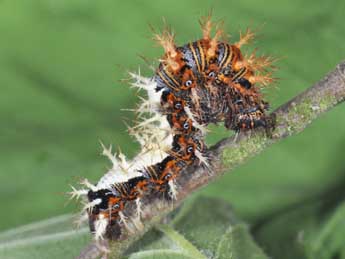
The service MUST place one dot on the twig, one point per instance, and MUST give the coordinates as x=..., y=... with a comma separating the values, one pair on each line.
x=292, y=118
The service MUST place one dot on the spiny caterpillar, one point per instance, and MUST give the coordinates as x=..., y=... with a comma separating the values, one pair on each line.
x=202, y=82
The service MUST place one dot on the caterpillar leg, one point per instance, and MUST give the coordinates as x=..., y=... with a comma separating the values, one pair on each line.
x=165, y=191
x=253, y=118
x=172, y=190
x=248, y=121
x=125, y=221
x=138, y=204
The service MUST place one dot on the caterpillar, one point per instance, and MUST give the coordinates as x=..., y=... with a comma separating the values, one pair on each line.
x=205, y=81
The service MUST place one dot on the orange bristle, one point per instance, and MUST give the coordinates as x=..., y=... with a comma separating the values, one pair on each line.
x=261, y=63
x=214, y=41
x=262, y=79
x=206, y=26
x=245, y=38
x=166, y=40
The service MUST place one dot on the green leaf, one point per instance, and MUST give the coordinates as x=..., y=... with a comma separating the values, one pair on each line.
x=161, y=253
x=285, y=235
x=202, y=228
x=310, y=229
x=53, y=238
x=329, y=241
x=237, y=243
x=181, y=242
x=45, y=227
x=204, y=221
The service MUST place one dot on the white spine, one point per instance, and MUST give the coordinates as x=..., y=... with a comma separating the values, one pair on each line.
x=154, y=135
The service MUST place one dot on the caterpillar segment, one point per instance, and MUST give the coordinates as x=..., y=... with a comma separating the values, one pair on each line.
x=202, y=82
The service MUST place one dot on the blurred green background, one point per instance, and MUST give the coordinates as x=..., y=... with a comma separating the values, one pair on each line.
x=61, y=62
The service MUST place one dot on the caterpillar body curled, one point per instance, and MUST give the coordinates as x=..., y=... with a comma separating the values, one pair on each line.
x=217, y=87
x=202, y=82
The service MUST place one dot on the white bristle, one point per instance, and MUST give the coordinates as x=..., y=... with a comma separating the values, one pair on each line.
x=87, y=184
x=89, y=206
x=195, y=123
x=76, y=194
x=100, y=227
x=203, y=160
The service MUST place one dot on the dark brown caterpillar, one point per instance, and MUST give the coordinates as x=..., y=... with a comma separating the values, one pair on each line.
x=201, y=82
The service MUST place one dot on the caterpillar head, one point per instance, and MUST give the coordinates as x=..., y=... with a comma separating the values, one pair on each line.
x=106, y=201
